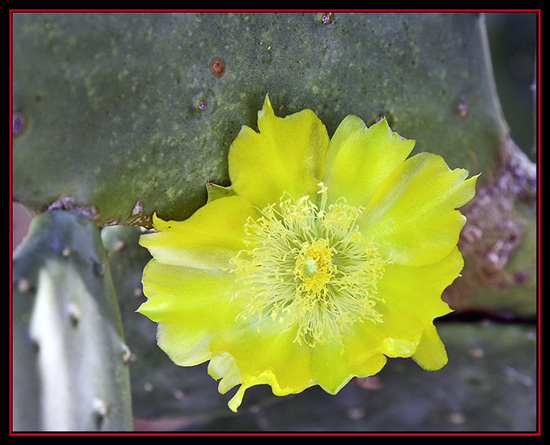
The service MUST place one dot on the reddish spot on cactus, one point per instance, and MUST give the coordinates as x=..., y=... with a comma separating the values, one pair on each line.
x=217, y=66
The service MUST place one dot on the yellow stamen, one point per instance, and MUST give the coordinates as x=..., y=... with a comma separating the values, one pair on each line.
x=309, y=267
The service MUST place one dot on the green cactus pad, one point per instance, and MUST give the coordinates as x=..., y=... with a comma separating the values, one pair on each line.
x=121, y=115
x=70, y=362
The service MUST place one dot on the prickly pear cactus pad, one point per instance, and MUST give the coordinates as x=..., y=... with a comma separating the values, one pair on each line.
x=70, y=361
x=124, y=115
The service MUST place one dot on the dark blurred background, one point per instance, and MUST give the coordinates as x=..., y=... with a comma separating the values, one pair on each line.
x=513, y=39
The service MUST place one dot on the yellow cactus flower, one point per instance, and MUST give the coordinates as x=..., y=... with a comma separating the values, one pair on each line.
x=323, y=258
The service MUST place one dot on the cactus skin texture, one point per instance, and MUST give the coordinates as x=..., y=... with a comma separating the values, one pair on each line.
x=70, y=370
x=123, y=115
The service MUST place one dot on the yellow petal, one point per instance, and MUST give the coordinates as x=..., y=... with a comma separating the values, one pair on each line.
x=287, y=155
x=264, y=354
x=411, y=215
x=360, y=158
x=192, y=306
x=416, y=291
x=334, y=365
x=430, y=354
x=223, y=366
x=208, y=239
x=364, y=349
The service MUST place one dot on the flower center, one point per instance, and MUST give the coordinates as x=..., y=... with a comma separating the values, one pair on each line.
x=314, y=267
x=310, y=268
